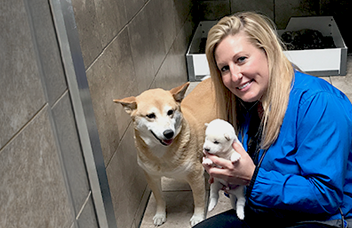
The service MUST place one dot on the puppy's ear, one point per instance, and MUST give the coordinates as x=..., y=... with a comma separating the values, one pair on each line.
x=179, y=92
x=227, y=137
x=128, y=103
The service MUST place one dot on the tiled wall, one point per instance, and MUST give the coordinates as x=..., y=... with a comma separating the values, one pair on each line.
x=278, y=10
x=43, y=180
x=129, y=46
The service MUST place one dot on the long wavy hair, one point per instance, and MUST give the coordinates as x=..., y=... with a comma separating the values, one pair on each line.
x=261, y=32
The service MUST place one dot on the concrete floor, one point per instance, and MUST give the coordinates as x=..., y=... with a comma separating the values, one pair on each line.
x=178, y=196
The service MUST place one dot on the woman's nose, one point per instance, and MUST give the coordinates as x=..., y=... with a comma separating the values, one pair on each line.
x=236, y=73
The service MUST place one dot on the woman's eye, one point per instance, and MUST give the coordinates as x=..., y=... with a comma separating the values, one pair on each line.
x=170, y=112
x=151, y=116
x=224, y=69
x=241, y=59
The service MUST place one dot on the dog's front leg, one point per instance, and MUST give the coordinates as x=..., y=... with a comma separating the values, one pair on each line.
x=197, y=183
x=154, y=183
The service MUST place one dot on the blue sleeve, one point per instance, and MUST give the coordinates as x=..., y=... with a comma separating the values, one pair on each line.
x=323, y=141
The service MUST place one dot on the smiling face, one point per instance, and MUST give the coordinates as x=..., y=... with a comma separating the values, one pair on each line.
x=243, y=67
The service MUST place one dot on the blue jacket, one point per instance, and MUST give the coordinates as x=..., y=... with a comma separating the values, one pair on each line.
x=309, y=167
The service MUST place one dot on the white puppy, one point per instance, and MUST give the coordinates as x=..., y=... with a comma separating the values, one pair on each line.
x=219, y=137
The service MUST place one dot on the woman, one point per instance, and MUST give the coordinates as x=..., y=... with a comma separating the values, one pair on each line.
x=296, y=131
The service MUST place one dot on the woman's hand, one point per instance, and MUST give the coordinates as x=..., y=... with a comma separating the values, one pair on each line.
x=237, y=173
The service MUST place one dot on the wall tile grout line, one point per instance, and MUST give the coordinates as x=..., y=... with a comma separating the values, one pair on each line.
x=24, y=127
x=116, y=36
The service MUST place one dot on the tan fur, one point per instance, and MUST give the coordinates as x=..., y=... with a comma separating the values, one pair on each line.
x=182, y=158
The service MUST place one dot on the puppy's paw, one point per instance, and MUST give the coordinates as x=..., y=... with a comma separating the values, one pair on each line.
x=159, y=218
x=196, y=218
x=240, y=213
x=207, y=161
x=235, y=157
x=212, y=204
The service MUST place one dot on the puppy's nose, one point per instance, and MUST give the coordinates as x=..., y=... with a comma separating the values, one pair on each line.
x=206, y=149
x=168, y=133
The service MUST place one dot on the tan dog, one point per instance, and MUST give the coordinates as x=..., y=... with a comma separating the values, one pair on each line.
x=169, y=136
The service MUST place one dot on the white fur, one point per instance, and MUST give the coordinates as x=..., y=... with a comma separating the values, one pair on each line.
x=219, y=137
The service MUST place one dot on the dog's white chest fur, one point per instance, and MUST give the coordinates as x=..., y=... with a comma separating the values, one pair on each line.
x=219, y=137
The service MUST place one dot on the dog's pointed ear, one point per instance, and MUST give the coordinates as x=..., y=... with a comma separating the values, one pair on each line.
x=227, y=137
x=179, y=92
x=128, y=103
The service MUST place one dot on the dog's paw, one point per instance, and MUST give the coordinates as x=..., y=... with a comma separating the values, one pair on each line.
x=207, y=161
x=159, y=218
x=235, y=157
x=196, y=218
x=240, y=213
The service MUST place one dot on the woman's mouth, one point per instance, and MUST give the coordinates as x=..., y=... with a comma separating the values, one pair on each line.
x=245, y=85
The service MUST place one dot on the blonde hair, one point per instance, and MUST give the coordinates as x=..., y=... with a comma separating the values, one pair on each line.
x=262, y=33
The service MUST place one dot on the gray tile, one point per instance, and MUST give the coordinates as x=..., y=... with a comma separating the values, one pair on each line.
x=344, y=83
x=184, y=9
x=152, y=34
x=141, y=209
x=132, y=7
x=126, y=180
x=88, y=29
x=48, y=50
x=111, y=16
x=142, y=53
x=32, y=189
x=71, y=151
x=184, y=36
x=178, y=194
x=112, y=77
x=265, y=7
x=214, y=10
x=179, y=207
x=21, y=90
x=167, y=22
x=156, y=19
x=87, y=218
x=173, y=71
x=98, y=23
x=284, y=10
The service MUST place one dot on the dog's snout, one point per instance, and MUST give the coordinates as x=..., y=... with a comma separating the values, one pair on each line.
x=206, y=149
x=168, y=134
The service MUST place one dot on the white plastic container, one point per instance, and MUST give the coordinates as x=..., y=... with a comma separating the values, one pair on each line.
x=318, y=62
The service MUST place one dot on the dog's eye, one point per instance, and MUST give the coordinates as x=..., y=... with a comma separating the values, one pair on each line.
x=151, y=116
x=216, y=142
x=170, y=112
